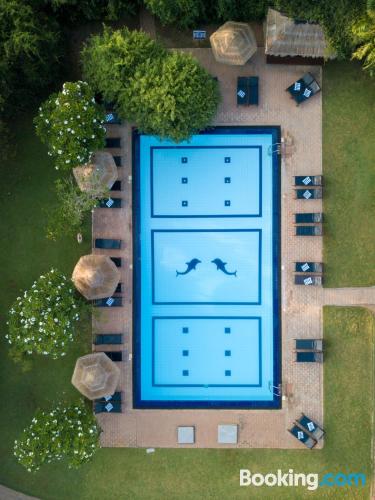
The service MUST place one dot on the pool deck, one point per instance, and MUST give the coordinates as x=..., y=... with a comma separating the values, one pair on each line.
x=301, y=305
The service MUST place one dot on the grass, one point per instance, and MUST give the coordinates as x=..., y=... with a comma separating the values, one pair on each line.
x=349, y=175
x=172, y=474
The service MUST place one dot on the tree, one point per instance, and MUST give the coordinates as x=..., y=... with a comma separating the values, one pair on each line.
x=73, y=205
x=183, y=13
x=93, y=10
x=364, y=36
x=111, y=59
x=242, y=10
x=70, y=123
x=42, y=320
x=173, y=99
x=29, y=48
x=29, y=54
x=67, y=432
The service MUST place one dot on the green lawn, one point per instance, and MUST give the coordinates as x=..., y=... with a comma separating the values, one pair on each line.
x=349, y=175
x=172, y=474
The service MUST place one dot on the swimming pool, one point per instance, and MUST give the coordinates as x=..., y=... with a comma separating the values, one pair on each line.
x=206, y=253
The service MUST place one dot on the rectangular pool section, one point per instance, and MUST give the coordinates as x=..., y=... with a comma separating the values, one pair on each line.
x=206, y=270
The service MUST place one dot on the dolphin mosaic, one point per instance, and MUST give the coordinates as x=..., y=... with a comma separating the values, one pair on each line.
x=190, y=266
x=220, y=265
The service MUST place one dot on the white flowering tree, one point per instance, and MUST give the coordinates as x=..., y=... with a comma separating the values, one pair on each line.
x=71, y=124
x=42, y=320
x=68, y=432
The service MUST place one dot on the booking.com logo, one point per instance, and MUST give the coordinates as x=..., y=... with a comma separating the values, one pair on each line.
x=310, y=481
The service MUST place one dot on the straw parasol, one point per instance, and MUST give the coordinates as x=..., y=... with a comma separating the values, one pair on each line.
x=96, y=276
x=101, y=171
x=95, y=375
x=233, y=43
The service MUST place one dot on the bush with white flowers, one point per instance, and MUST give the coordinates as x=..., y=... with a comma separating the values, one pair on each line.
x=42, y=320
x=71, y=124
x=65, y=432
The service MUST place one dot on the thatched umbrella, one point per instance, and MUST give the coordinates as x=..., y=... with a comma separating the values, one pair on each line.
x=233, y=43
x=96, y=276
x=100, y=172
x=95, y=375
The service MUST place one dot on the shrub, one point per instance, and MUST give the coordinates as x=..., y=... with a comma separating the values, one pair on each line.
x=70, y=123
x=183, y=13
x=111, y=10
x=172, y=100
x=364, y=36
x=65, y=432
x=42, y=320
x=73, y=205
x=246, y=10
x=110, y=60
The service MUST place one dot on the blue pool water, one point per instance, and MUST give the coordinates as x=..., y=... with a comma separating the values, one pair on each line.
x=206, y=253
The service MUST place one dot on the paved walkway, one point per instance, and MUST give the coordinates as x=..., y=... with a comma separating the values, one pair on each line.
x=147, y=22
x=8, y=494
x=301, y=306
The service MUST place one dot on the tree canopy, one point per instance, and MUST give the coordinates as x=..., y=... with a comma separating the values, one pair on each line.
x=173, y=99
x=184, y=13
x=29, y=47
x=110, y=60
x=165, y=93
x=364, y=36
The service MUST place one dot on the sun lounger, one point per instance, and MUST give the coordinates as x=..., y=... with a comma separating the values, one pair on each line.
x=114, y=355
x=308, y=180
x=304, y=88
x=308, y=218
x=303, y=437
x=307, y=280
x=116, y=186
x=107, y=244
x=247, y=90
x=309, y=344
x=312, y=427
x=253, y=82
x=110, y=203
x=113, y=142
x=316, y=230
x=118, y=161
x=107, y=407
x=309, y=194
x=108, y=302
x=108, y=338
x=117, y=261
x=309, y=357
x=112, y=118
x=308, y=267
x=113, y=397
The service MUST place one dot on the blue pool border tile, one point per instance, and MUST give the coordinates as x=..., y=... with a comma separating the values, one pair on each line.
x=138, y=401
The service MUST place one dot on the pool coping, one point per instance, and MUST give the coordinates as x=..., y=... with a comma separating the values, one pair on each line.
x=138, y=403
